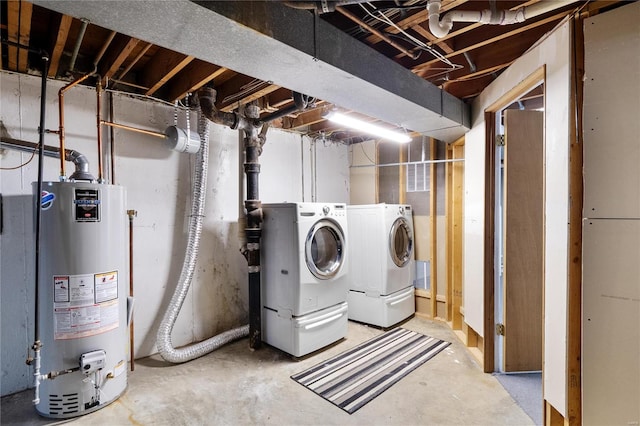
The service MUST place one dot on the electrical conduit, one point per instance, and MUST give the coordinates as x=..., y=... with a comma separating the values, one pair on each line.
x=164, y=344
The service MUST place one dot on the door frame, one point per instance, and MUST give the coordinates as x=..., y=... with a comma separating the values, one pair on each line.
x=534, y=79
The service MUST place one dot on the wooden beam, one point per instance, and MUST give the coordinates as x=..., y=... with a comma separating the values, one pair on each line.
x=402, y=172
x=573, y=415
x=18, y=29
x=306, y=118
x=433, y=222
x=458, y=227
x=449, y=232
x=58, y=47
x=277, y=99
x=488, y=360
x=192, y=77
x=162, y=67
x=237, y=88
x=134, y=61
x=427, y=34
x=251, y=97
x=119, y=57
x=492, y=40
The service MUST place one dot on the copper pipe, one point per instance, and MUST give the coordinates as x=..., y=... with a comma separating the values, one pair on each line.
x=135, y=61
x=131, y=214
x=61, y=118
x=372, y=30
x=99, y=127
x=104, y=48
x=135, y=129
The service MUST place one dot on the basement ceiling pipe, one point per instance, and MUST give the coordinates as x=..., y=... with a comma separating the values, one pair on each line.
x=164, y=344
x=60, y=131
x=441, y=28
x=80, y=161
x=76, y=47
x=254, y=130
x=323, y=6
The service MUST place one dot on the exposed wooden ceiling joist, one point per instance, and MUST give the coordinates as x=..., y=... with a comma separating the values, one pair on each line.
x=502, y=36
x=58, y=47
x=162, y=67
x=18, y=30
x=145, y=67
x=134, y=61
x=118, y=55
x=192, y=77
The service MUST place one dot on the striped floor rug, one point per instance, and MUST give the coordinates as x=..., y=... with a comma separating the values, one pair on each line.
x=355, y=377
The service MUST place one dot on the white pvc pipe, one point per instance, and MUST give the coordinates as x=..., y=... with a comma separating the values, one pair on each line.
x=441, y=27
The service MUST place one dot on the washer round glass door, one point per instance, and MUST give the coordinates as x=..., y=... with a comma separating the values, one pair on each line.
x=400, y=242
x=324, y=249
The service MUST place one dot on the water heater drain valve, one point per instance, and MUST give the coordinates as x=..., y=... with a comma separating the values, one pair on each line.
x=93, y=361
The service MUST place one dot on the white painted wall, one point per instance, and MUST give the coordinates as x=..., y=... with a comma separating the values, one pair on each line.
x=158, y=185
x=363, y=179
x=611, y=226
x=553, y=52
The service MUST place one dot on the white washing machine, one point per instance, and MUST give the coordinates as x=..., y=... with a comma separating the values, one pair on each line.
x=304, y=275
x=381, y=263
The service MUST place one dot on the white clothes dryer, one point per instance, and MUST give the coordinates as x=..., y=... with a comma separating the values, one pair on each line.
x=382, y=266
x=304, y=275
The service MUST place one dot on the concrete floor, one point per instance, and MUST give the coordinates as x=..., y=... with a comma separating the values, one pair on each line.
x=237, y=386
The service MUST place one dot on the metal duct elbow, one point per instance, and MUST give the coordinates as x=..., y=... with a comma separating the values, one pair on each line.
x=207, y=102
x=81, y=163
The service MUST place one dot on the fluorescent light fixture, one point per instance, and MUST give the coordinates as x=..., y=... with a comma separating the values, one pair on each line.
x=369, y=128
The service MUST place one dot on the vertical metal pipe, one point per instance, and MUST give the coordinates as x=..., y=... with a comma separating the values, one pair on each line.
x=61, y=93
x=112, y=142
x=253, y=231
x=38, y=197
x=99, y=127
x=76, y=48
x=131, y=214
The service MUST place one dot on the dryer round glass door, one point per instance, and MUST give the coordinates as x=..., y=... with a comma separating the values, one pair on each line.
x=400, y=242
x=324, y=251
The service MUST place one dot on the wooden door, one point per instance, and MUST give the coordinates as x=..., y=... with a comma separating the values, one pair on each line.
x=523, y=238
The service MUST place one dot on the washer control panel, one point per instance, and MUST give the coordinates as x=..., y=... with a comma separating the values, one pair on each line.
x=335, y=210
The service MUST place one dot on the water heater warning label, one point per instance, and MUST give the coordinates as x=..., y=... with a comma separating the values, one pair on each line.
x=85, y=305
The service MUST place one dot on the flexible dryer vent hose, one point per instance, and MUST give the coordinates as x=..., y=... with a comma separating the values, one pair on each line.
x=193, y=351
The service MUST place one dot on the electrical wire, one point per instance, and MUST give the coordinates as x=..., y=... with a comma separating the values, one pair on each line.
x=137, y=95
x=409, y=38
x=33, y=154
x=365, y=153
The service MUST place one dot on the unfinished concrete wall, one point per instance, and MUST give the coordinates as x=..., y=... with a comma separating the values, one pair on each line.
x=158, y=183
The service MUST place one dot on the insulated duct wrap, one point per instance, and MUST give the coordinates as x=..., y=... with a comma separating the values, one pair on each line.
x=164, y=344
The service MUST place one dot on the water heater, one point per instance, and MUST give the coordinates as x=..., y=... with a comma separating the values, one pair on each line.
x=83, y=295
